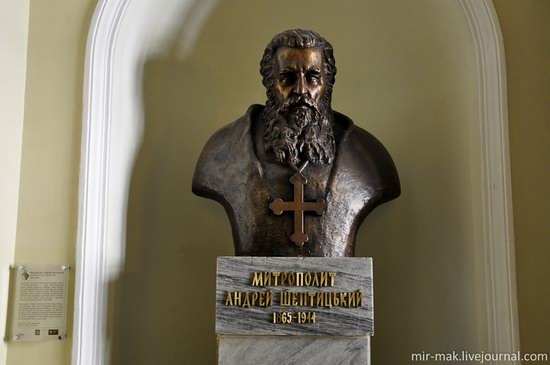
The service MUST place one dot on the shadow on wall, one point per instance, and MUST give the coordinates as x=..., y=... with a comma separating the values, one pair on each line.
x=414, y=78
x=163, y=305
x=164, y=300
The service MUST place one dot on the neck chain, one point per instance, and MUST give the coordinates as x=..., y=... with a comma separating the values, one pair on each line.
x=298, y=169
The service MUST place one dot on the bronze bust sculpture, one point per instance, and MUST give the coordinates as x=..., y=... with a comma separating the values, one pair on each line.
x=295, y=177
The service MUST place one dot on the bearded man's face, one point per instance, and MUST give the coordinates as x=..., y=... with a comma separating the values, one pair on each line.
x=298, y=118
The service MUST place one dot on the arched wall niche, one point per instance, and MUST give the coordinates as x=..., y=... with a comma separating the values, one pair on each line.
x=136, y=48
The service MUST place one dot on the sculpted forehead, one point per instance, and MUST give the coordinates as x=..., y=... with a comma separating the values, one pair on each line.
x=299, y=59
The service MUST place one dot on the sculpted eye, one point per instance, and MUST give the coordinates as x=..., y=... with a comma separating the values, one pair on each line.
x=313, y=77
x=286, y=78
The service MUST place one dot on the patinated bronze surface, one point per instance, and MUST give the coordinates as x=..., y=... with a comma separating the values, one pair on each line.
x=251, y=165
x=298, y=206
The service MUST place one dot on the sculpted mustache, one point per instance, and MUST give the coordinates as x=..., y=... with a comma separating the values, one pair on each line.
x=301, y=100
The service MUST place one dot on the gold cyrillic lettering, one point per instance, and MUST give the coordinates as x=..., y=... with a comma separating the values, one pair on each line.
x=335, y=300
x=269, y=299
x=311, y=296
x=246, y=301
x=228, y=299
x=299, y=279
x=291, y=278
x=275, y=277
x=332, y=275
x=283, y=278
x=315, y=281
x=359, y=298
x=285, y=299
x=257, y=280
x=324, y=279
x=344, y=299
x=267, y=278
x=351, y=300
x=307, y=278
x=328, y=299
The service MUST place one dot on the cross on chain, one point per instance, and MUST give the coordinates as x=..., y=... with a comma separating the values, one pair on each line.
x=299, y=206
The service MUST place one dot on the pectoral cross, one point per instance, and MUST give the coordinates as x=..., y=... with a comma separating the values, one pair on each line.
x=298, y=206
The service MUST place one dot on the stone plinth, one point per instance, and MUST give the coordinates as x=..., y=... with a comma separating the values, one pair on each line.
x=286, y=350
x=292, y=310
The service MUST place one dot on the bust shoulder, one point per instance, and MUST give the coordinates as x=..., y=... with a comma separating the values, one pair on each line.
x=360, y=156
x=221, y=151
x=363, y=157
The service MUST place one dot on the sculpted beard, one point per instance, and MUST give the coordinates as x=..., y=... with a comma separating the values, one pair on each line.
x=299, y=131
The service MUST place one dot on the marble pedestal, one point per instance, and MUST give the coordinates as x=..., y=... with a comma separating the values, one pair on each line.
x=303, y=350
x=341, y=298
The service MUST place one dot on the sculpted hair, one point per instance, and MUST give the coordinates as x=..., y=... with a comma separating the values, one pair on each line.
x=297, y=38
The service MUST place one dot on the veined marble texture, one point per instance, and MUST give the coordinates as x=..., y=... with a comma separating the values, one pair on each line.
x=352, y=274
x=290, y=350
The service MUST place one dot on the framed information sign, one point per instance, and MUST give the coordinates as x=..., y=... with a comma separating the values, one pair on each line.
x=39, y=310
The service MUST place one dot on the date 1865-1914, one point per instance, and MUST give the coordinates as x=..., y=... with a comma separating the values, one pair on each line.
x=293, y=317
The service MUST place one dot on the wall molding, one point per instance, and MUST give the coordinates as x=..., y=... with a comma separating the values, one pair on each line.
x=92, y=257
x=122, y=34
x=499, y=255
x=112, y=129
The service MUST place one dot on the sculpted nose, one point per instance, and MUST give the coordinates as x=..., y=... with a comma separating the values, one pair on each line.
x=300, y=85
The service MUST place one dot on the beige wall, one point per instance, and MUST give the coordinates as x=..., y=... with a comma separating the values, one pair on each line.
x=46, y=227
x=526, y=30
x=14, y=24
x=406, y=73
